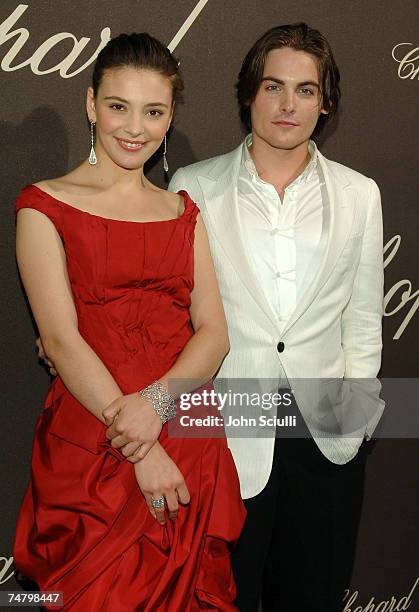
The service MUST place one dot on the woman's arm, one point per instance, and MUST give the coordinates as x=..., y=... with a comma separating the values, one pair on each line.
x=42, y=265
x=201, y=356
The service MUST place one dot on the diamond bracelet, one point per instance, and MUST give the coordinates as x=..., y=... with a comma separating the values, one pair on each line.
x=161, y=400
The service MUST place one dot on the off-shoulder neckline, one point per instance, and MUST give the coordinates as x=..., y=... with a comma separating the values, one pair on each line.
x=86, y=212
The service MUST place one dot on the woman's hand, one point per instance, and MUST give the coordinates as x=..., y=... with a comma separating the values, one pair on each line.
x=132, y=419
x=42, y=355
x=157, y=475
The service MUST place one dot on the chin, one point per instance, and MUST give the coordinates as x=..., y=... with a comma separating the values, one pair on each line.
x=128, y=164
x=288, y=143
x=132, y=165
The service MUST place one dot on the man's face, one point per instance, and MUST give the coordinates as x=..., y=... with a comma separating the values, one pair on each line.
x=288, y=102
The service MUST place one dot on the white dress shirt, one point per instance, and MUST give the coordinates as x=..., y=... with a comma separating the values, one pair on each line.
x=283, y=237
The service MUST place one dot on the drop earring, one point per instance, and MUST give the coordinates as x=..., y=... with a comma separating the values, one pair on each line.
x=165, y=164
x=92, y=156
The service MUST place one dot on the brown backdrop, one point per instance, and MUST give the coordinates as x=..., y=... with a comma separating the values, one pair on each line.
x=43, y=134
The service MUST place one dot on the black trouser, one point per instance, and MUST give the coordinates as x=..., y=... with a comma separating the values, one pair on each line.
x=297, y=547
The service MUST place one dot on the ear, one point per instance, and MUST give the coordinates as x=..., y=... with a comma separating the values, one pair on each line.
x=172, y=110
x=325, y=112
x=90, y=104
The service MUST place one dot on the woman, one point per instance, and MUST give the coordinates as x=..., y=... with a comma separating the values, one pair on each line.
x=118, y=515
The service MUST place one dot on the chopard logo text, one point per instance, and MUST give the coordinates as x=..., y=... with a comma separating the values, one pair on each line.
x=390, y=605
x=402, y=291
x=407, y=56
x=6, y=569
x=12, y=61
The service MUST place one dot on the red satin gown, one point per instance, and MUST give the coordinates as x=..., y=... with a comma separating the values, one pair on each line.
x=84, y=527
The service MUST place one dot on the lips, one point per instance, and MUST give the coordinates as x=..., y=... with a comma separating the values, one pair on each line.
x=285, y=123
x=130, y=145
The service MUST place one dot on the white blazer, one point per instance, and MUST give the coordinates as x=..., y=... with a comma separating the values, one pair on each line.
x=335, y=330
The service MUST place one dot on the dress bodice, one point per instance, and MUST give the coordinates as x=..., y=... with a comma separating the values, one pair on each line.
x=131, y=283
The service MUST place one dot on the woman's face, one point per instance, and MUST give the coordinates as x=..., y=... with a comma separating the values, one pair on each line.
x=133, y=109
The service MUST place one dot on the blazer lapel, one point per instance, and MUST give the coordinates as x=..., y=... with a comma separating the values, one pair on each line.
x=222, y=215
x=341, y=210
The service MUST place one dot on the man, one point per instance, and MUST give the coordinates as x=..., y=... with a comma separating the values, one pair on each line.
x=297, y=245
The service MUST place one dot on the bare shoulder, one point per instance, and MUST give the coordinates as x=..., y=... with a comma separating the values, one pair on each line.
x=174, y=201
x=51, y=186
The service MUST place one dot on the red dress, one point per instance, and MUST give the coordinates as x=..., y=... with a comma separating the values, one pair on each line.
x=84, y=527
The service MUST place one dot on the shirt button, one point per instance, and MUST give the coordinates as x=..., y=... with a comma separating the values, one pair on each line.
x=280, y=347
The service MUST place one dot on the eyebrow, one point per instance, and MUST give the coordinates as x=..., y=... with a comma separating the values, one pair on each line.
x=280, y=82
x=127, y=102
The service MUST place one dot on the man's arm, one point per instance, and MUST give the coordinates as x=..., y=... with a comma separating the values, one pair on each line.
x=362, y=317
x=362, y=322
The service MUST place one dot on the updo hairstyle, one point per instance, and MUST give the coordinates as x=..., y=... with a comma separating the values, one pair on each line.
x=137, y=50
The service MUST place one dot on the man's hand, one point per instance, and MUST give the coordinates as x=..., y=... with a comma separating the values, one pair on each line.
x=42, y=355
x=157, y=475
x=132, y=419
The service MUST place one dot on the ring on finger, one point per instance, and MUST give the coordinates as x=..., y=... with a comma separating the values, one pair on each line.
x=158, y=504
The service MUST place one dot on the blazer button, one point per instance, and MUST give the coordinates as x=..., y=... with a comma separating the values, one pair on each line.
x=280, y=347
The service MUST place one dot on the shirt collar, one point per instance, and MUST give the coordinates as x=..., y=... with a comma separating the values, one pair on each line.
x=305, y=175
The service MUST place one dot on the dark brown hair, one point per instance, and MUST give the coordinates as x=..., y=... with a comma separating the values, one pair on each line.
x=137, y=50
x=298, y=36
